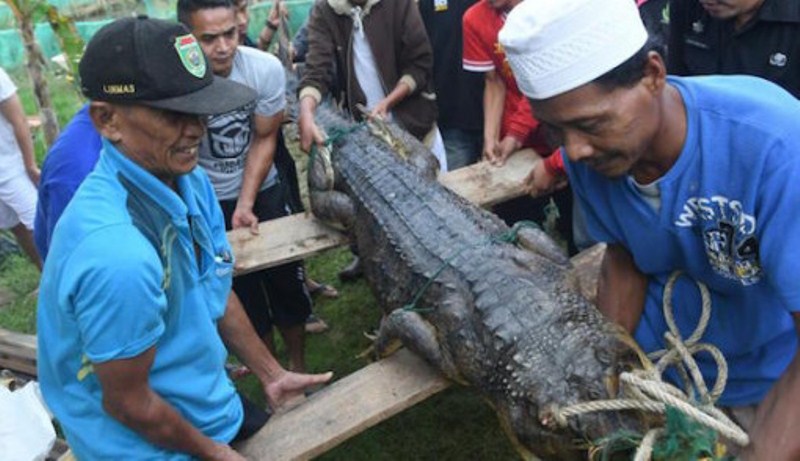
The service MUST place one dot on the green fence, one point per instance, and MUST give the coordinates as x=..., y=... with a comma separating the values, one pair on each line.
x=12, y=52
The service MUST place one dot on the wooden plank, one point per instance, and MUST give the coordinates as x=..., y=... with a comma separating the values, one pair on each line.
x=282, y=240
x=18, y=352
x=346, y=408
x=486, y=185
x=299, y=236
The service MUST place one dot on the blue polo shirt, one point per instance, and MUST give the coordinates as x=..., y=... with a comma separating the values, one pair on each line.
x=121, y=277
x=728, y=218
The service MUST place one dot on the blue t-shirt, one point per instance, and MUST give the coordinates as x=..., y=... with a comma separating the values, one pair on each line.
x=122, y=277
x=71, y=158
x=728, y=217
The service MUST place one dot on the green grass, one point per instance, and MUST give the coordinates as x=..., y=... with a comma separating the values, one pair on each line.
x=456, y=424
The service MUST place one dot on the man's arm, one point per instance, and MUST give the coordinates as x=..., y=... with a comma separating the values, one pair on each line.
x=309, y=131
x=494, y=95
x=775, y=428
x=622, y=288
x=400, y=91
x=12, y=110
x=280, y=386
x=259, y=161
x=128, y=398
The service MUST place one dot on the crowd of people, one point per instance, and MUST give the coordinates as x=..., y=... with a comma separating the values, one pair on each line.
x=669, y=127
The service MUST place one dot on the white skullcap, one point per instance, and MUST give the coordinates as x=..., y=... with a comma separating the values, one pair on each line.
x=554, y=46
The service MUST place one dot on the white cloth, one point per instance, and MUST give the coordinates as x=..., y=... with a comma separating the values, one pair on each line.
x=554, y=46
x=18, y=199
x=435, y=143
x=26, y=432
x=11, y=164
x=364, y=63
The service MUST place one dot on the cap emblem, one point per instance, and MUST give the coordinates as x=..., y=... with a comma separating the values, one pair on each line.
x=191, y=55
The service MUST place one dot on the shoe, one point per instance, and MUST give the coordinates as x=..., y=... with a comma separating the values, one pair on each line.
x=353, y=270
x=315, y=325
x=322, y=289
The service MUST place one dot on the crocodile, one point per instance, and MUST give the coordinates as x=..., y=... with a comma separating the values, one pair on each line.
x=502, y=317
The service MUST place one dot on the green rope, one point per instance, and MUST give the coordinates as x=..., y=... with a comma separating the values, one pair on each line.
x=511, y=236
x=336, y=135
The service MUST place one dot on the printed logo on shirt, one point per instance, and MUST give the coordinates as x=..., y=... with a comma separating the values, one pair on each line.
x=229, y=134
x=440, y=5
x=778, y=60
x=729, y=236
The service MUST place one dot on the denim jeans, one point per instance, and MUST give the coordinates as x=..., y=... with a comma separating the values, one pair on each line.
x=463, y=147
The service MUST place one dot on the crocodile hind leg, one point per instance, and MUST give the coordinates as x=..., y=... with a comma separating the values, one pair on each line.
x=418, y=335
x=333, y=207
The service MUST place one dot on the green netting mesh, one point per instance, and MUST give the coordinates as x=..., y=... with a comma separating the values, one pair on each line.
x=12, y=52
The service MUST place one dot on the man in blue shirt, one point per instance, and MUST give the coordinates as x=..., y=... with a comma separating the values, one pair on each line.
x=135, y=308
x=71, y=158
x=693, y=174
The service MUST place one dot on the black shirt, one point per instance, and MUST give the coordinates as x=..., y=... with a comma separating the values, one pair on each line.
x=768, y=46
x=459, y=94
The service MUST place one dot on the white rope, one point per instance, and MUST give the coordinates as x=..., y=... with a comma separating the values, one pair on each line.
x=646, y=391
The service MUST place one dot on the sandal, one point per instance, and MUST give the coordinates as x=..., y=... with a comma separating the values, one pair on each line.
x=324, y=290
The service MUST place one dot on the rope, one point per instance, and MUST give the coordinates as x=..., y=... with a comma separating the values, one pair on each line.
x=646, y=391
x=510, y=236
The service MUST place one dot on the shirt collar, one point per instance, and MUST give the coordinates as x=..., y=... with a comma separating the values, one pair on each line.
x=178, y=206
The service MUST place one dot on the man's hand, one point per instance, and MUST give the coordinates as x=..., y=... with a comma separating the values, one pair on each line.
x=226, y=453
x=540, y=182
x=504, y=149
x=34, y=173
x=244, y=217
x=489, y=150
x=309, y=133
x=381, y=110
x=287, y=388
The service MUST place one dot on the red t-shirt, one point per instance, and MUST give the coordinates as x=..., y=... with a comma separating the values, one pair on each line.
x=483, y=53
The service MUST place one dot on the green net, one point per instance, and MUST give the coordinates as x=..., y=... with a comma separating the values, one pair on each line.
x=12, y=52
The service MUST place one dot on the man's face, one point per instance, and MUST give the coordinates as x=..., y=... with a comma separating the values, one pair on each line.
x=165, y=143
x=216, y=30
x=728, y=9
x=242, y=18
x=609, y=130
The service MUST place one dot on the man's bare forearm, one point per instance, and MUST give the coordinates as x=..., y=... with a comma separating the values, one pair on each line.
x=777, y=422
x=241, y=339
x=621, y=289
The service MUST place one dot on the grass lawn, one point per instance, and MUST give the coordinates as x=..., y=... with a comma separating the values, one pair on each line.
x=456, y=424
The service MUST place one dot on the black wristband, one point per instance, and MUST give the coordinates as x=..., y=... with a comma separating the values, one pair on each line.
x=272, y=26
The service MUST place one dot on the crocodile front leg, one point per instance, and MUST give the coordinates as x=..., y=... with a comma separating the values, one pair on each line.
x=417, y=334
x=328, y=204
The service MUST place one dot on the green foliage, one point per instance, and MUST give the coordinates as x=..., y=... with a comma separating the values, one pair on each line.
x=69, y=41
x=18, y=281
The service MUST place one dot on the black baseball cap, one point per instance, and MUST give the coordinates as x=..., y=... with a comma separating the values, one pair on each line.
x=159, y=64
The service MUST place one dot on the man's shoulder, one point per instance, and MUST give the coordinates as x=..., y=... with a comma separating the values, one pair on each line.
x=75, y=152
x=254, y=65
x=737, y=93
x=478, y=12
x=780, y=11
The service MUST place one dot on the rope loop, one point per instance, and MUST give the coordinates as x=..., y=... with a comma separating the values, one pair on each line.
x=644, y=390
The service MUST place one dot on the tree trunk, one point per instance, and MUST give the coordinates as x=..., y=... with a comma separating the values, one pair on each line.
x=23, y=11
